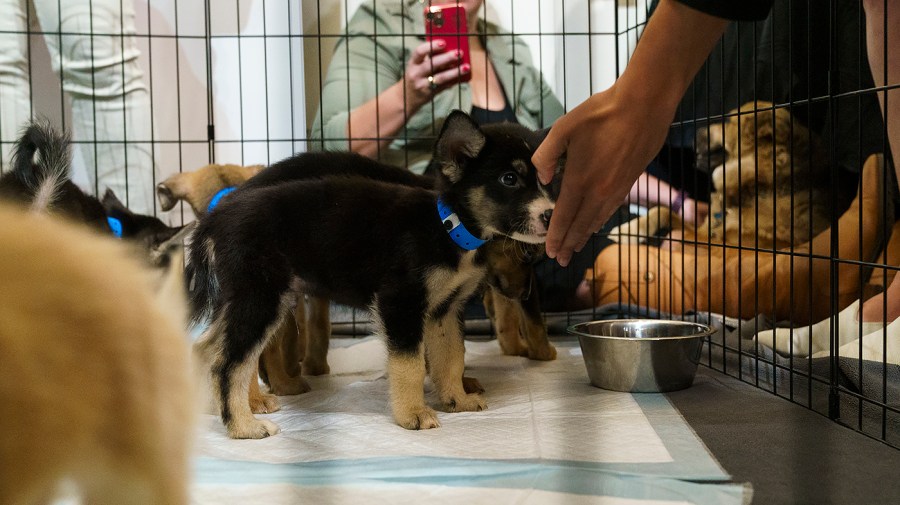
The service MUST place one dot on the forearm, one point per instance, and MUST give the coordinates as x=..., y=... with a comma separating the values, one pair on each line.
x=374, y=124
x=672, y=48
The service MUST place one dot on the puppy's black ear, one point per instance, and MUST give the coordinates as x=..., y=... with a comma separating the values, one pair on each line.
x=113, y=206
x=460, y=140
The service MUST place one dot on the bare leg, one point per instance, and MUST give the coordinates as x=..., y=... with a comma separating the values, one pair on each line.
x=885, y=65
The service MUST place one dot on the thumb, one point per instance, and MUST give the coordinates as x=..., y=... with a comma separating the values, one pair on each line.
x=547, y=155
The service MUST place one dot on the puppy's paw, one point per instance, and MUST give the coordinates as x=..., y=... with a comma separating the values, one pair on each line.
x=542, y=353
x=632, y=232
x=472, y=385
x=255, y=429
x=470, y=403
x=417, y=418
x=290, y=386
x=512, y=347
x=264, y=403
x=311, y=367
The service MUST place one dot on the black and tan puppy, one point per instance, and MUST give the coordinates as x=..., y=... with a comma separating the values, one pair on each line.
x=40, y=180
x=409, y=254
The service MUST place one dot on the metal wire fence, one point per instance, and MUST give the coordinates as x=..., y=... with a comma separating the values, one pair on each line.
x=156, y=87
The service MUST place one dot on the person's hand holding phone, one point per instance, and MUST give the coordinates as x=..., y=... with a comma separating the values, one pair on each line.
x=430, y=70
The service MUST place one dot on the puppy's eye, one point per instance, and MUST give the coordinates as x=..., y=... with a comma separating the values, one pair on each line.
x=509, y=179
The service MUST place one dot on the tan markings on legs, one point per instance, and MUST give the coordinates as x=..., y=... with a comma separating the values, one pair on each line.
x=406, y=375
x=207, y=351
x=533, y=327
x=446, y=357
x=472, y=385
x=319, y=332
x=242, y=423
x=506, y=317
x=261, y=403
x=281, y=360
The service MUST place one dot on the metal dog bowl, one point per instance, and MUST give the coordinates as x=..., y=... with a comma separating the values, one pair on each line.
x=641, y=355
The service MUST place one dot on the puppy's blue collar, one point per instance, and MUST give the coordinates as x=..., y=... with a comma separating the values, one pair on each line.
x=457, y=231
x=115, y=225
x=217, y=197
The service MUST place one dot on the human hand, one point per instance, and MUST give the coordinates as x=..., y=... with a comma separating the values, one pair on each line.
x=430, y=70
x=609, y=139
x=693, y=211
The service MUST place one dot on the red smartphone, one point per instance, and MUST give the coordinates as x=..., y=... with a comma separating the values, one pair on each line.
x=448, y=23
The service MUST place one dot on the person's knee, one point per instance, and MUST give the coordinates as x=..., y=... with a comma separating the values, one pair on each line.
x=101, y=62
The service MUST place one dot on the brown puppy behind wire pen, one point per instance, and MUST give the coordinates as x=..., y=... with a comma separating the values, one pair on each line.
x=769, y=192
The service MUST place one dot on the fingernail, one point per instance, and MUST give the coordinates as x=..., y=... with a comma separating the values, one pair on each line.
x=563, y=261
x=459, y=54
x=465, y=68
x=440, y=43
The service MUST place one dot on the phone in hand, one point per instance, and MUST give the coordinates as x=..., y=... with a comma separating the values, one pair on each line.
x=448, y=23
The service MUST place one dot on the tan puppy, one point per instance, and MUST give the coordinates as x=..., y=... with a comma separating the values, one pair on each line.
x=197, y=188
x=768, y=193
x=95, y=382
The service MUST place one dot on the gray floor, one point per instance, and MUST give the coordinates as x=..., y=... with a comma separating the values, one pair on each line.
x=788, y=453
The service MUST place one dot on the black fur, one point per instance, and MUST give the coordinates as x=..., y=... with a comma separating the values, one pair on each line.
x=41, y=165
x=360, y=241
x=41, y=156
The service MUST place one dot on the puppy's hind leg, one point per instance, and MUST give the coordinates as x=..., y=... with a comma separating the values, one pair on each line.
x=318, y=328
x=248, y=324
x=281, y=358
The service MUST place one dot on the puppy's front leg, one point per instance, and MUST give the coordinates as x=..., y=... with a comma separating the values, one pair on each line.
x=401, y=320
x=446, y=351
x=406, y=375
x=505, y=315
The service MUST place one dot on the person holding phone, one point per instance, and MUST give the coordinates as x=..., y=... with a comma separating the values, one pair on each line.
x=394, y=78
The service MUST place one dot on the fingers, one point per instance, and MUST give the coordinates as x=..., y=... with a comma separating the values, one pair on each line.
x=547, y=155
x=425, y=49
x=563, y=214
x=450, y=76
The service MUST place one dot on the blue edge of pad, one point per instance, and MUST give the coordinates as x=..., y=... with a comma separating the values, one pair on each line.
x=561, y=477
x=692, y=476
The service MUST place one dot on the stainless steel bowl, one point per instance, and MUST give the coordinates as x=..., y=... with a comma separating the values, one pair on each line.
x=641, y=355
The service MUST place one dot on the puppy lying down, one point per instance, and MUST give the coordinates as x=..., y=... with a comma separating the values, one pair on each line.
x=95, y=382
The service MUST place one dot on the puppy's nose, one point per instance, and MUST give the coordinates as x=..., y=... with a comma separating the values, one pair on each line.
x=545, y=217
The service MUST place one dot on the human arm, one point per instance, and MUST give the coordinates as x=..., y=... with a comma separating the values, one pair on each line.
x=373, y=124
x=650, y=191
x=366, y=75
x=624, y=126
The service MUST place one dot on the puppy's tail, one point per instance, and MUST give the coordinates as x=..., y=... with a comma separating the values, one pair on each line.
x=41, y=160
x=202, y=286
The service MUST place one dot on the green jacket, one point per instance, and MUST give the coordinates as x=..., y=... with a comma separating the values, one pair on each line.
x=371, y=57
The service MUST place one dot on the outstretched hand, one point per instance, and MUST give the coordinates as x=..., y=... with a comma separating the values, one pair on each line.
x=608, y=140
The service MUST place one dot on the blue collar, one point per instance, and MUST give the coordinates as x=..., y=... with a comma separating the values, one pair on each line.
x=457, y=231
x=217, y=197
x=115, y=225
